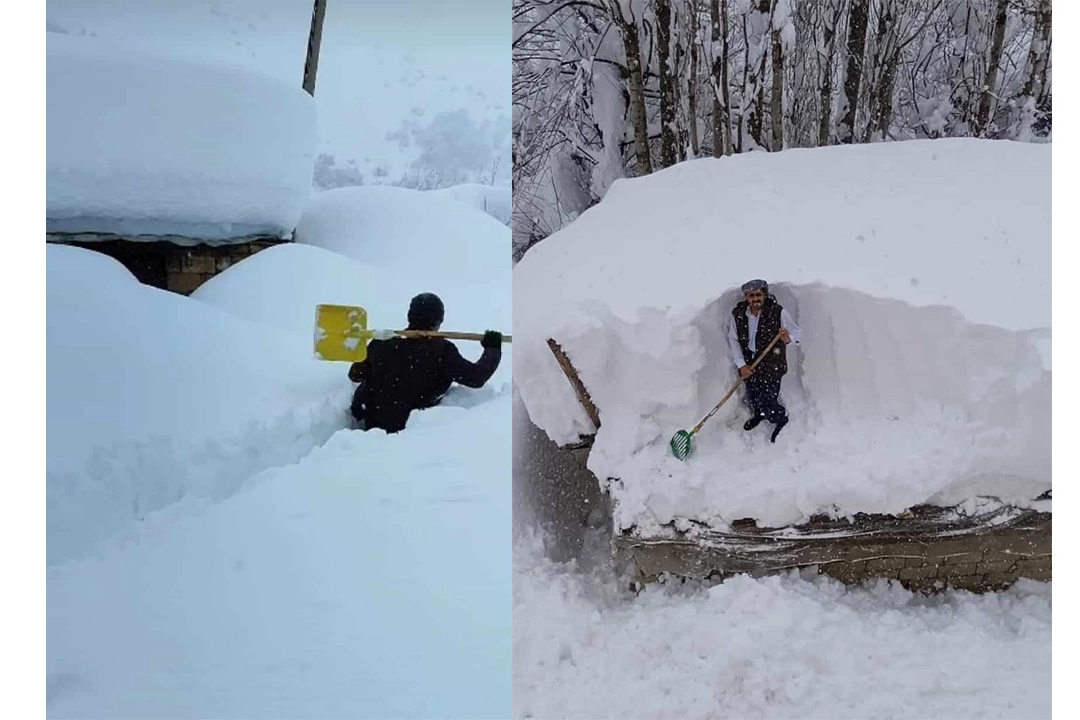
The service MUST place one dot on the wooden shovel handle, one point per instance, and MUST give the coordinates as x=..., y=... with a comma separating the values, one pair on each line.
x=447, y=335
x=738, y=382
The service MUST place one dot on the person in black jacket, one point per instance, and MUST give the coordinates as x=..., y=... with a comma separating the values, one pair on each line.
x=755, y=321
x=400, y=375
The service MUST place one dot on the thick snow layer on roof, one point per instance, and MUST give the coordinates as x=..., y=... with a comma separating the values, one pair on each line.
x=919, y=272
x=151, y=145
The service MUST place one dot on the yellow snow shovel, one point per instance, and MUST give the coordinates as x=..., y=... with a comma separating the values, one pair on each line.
x=342, y=334
x=681, y=442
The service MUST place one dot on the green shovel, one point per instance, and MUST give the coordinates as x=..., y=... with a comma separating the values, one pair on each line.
x=681, y=442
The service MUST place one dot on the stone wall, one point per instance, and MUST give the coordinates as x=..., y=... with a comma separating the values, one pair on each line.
x=188, y=268
x=179, y=267
x=928, y=549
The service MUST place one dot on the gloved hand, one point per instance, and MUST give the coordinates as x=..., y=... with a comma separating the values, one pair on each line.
x=492, y=339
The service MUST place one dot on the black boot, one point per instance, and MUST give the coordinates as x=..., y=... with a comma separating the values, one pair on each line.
x=753, y=422
x=776, y=430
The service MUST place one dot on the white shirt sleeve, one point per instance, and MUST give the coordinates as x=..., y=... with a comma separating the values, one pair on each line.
x=733, y=343
x=788, y=323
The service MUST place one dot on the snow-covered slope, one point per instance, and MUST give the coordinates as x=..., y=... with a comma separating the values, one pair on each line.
x=370, y=579
x=152, y=398
x=160, y=145
x=281, y=286
x=495, y=201
x=919, y=272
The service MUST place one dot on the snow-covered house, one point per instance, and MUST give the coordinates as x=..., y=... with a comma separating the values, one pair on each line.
x=174, y=168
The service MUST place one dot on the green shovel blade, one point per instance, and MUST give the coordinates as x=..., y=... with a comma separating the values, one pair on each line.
x=680, y=445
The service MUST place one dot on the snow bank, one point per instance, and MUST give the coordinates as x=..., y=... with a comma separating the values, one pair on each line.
x=280, y=287
x=153, y=398
x=370, y=579
x=919, y=272
x=153, y=145
x=495, y=201
x=780, y=647
x=419, y=242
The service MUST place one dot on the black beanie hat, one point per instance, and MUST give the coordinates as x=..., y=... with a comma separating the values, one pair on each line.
x=425, y=312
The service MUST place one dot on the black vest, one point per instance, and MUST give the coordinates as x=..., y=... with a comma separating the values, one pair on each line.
x=774, y=365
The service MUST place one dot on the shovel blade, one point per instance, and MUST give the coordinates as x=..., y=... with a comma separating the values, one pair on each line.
x=681, y=445
x=341, y=333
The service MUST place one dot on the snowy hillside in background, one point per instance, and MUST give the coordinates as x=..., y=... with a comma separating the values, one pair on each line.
x=219, y=544
x=919, y=272
x=399, y=102
x=158, y=145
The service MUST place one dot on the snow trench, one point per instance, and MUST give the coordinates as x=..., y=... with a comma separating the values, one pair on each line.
x=122, y=483
x=891, y=405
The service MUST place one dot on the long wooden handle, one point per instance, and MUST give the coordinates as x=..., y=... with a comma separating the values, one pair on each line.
x=736, y=385
x=447, y=335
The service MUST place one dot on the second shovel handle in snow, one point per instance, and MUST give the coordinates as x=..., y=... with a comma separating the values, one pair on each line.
x=738, y=382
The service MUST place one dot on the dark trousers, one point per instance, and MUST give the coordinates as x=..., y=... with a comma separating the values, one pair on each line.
x=762, y=394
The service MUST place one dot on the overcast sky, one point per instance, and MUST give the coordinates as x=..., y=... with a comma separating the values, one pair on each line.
x=382, y=63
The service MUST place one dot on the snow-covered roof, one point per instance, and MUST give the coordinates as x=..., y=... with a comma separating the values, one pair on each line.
x=147, y=145
x=919, y=273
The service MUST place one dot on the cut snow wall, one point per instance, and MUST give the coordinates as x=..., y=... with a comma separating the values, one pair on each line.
x=891, y=405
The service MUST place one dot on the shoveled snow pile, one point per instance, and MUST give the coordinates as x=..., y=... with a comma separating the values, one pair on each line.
x=158, y=145
x=418, y=241
x=280, y=287
x=778, y=647
x=153, y=398
x=433, y=234
x=919, y=273
x=495, y=201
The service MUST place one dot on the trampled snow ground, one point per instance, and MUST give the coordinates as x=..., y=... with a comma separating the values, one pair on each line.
x=921, y=282
x=369, y=579
x=781, y=647
x=219, y=543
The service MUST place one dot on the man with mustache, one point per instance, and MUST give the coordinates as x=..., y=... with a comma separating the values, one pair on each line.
x=755, y=321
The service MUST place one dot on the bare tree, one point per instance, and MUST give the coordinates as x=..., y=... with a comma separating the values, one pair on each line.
x=830, y=20
x=982, y=119
x=856, y=44
x=777, y=98
x=628, y=28
x=667, y=84
x=718, y=17
x=692, y=83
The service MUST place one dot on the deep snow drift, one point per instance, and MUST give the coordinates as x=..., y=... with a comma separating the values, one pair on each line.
x=158, y=145
x=152, y=398
x=780, y=647
x=919, y=272
x=220, y=546
x=370, y=579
